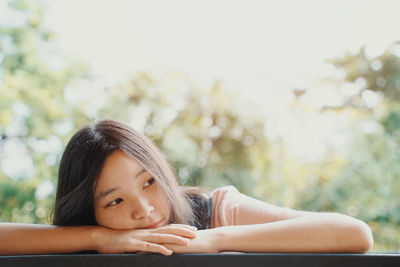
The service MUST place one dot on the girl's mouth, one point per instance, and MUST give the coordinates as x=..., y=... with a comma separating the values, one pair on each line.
x=156, y=225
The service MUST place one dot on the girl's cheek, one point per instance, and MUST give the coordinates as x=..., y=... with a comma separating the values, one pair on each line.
x=120, y=220
x=106, y=218
x=111, y=222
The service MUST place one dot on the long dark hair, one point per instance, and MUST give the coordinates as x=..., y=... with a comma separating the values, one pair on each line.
x=82, y=162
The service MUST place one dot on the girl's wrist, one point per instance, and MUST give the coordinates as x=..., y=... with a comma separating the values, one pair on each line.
x=219, y=239
x=229, y=238
x=97, y=237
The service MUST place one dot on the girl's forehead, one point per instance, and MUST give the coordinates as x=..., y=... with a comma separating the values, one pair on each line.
x=118, y=159
x=118, y=165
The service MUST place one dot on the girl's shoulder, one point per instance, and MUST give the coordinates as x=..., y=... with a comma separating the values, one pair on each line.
x=206, y=203
x=226, y=188
x=230, y=207
x=225, y=193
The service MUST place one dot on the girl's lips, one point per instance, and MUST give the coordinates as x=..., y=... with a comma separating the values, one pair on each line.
x=156, y=225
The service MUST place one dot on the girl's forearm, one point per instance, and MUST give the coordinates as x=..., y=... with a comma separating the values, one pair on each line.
x=325, y=232
x=16, y=238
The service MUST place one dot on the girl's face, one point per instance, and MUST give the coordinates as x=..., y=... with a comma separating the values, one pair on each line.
x=128, y=197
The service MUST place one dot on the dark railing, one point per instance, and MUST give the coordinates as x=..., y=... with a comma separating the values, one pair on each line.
x=203, y=260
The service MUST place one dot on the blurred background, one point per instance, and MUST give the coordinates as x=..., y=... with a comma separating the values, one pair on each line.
x=293, y=102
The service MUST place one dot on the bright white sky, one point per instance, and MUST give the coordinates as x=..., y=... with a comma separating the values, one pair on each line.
x=248, y=44
x=262, y=49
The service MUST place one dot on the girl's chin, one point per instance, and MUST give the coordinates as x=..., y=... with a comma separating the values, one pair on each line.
x=153, y=225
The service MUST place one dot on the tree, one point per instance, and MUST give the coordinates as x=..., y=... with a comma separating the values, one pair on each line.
x=367, y=185
x=34, y=115
x=205, y=136
x=204, y=133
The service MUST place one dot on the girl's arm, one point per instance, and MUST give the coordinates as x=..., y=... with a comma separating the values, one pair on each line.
x=318, y=232
x=242, y=223
x=323, y=232
x=16, y=238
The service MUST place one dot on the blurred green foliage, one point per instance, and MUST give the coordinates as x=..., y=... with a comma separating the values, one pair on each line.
x=210, y=136
x=32, y=106
x=367, y=185
x=209, y=140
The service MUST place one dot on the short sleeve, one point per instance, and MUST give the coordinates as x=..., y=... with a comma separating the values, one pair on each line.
x=230, y=207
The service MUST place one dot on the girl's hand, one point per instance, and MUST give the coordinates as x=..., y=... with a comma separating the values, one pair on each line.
x=143, y=240
x=206, y=241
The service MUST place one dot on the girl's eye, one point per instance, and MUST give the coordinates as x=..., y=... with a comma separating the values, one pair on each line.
x=149, y=182
x=115, y=202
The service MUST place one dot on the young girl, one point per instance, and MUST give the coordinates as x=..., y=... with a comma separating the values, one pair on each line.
x=117, y=193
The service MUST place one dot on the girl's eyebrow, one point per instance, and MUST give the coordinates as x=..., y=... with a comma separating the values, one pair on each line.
x=105, y=193
x=140, y=172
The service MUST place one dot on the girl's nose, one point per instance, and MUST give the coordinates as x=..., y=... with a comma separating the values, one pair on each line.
x=142, y=210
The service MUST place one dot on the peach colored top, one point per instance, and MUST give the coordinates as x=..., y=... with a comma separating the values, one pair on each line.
x=230, y=207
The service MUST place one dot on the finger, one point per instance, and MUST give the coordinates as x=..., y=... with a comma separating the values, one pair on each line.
x=176, y=230
x=166, y=239
x=181, y=226
x=178, y=249
x=185, y=226
x=151, y=247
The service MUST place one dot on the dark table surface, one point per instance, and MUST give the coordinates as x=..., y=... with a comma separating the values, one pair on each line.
x=194, y=260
